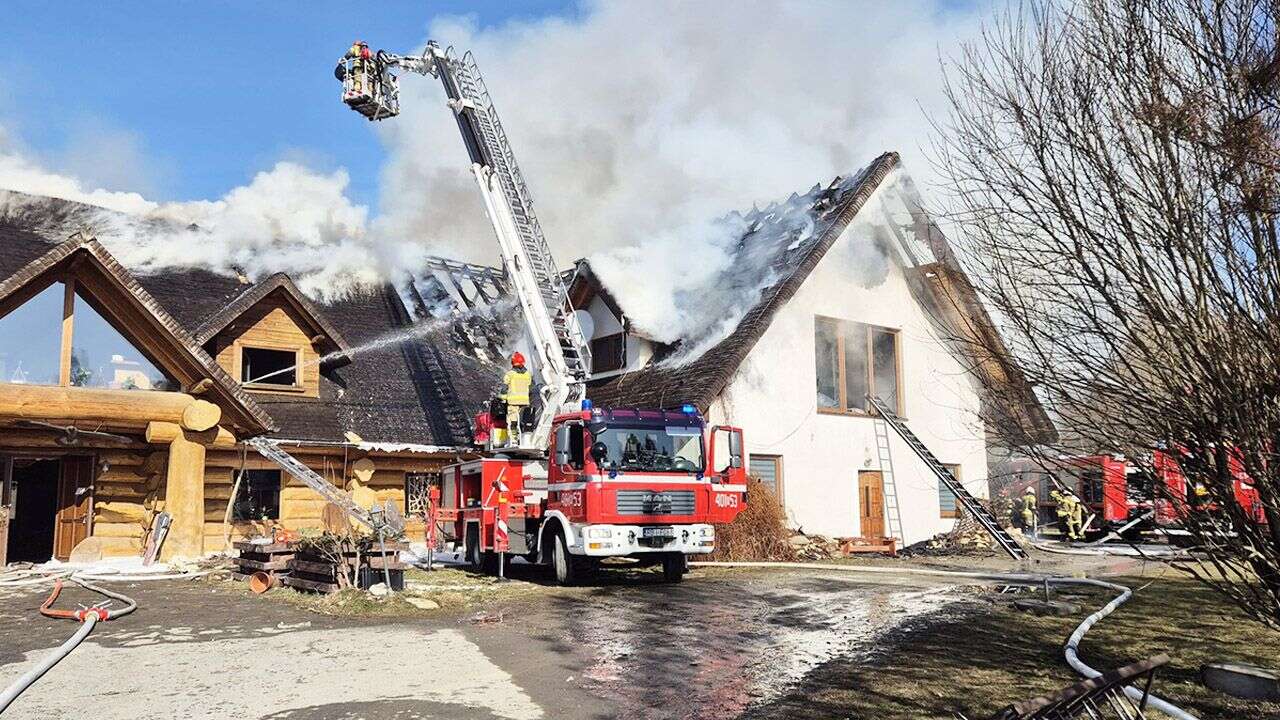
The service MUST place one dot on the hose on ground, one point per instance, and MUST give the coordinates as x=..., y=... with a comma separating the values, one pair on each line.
x=1072, y=648
x=88, y=617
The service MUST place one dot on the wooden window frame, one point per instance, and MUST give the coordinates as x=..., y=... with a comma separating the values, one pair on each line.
x=299, y=385
x=778, y=469
x=842, y=388
x=954, y=512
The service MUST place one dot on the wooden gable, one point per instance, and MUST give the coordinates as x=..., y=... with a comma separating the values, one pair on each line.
x=272, y=323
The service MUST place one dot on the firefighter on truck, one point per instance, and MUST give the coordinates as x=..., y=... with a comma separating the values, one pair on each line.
x=515, y=394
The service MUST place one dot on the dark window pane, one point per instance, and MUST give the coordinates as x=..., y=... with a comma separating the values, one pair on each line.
x=884, y=353
x=31, y=340
x=765, y=467
x=268, y=367
x=608, y=353
x=101, y=357
x=855, y=366
x=828, y=364
x=258, y=497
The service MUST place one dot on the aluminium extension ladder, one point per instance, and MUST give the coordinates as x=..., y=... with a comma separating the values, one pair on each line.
x=892, y=510
x=290, y=464
x=970, y=503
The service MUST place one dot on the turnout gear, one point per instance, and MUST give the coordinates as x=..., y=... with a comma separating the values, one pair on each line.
x=1029, y=515
x=516, y=382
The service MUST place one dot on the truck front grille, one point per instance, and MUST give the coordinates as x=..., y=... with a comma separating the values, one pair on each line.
x=655, y=502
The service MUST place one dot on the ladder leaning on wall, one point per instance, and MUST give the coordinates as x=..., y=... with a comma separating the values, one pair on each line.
x=892, y=510
x=963, y=497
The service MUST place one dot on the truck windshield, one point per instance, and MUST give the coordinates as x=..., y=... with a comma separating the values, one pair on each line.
x=653, y=449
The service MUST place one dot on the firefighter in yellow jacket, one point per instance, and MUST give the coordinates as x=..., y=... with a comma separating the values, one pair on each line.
x=516, y=382
x=1029, y=514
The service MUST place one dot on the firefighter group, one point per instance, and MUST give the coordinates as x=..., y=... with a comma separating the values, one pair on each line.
x=1069, y=509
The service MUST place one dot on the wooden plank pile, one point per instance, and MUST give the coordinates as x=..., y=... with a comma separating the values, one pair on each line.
x=272, y=558
x=329, y=573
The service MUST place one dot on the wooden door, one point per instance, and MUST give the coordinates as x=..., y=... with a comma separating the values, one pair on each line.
x=75, y=504
x=871, y=504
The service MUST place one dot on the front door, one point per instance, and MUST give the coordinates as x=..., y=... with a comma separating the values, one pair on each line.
x=75, y=504
x=871, y=503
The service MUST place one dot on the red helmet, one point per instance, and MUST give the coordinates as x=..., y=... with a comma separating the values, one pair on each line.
x=517, y=359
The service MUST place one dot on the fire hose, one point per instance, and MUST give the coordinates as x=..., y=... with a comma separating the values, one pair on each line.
x=88, y=617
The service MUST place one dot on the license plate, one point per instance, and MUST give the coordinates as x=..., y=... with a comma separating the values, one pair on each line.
x=659, y=532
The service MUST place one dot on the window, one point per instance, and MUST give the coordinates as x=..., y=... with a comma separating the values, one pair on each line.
x=769, y=469
x=852, y=361
x=946, y=498
x=101, y=357
x=417, y=489
x=31, y=340
x=258, y=497
x=609, y=353
x=263, y=366
x=95, y=354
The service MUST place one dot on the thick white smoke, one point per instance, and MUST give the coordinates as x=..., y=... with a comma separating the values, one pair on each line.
x=635, y=124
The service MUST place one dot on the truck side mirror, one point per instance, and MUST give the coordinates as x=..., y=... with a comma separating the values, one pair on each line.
x=735, y=448
x=599, y=452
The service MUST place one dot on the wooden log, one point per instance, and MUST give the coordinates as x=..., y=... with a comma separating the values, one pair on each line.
x=109, y=407
x=201, y=415
x=160, y=433
x=117, y=530
x=120, y=546
x=184, y=499
x=200, y=387
x=116, y=511
x=154, y=464
x=31, y=438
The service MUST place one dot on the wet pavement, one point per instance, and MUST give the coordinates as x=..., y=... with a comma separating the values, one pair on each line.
x=711, y=647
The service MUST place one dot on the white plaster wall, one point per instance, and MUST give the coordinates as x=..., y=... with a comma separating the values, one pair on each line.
x=773, y=398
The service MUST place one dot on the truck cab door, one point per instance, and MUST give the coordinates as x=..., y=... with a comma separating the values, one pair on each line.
x=726, y=462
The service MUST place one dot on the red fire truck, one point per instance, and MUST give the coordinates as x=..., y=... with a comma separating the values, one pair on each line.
x=640, y=484
x=1120, y=495
x=576, y=483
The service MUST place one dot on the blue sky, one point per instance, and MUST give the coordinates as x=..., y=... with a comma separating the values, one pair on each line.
x=203, y=94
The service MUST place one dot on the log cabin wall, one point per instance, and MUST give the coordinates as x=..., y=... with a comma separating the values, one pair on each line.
x=300, y=506
x=272, y=324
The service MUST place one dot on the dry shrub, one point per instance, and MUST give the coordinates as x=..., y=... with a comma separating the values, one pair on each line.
x=759, y=532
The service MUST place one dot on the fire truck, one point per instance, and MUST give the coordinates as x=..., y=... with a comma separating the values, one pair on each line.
x=1120, y=497
x=578, y=483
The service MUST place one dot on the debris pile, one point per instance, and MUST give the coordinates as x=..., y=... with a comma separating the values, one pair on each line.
x=814, y=547
x=759, y=532
x=967, y=537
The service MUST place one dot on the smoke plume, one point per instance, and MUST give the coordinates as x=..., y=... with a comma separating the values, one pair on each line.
x=635, y=123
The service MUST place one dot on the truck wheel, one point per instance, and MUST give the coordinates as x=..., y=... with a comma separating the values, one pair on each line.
x=673, y=568
x=562, y=563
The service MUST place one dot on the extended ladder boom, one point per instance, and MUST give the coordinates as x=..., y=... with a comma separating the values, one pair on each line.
x=963, y=496
x=562, y=349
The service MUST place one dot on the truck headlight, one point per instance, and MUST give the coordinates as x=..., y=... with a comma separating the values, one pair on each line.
x=708, y=532
x=599, y=532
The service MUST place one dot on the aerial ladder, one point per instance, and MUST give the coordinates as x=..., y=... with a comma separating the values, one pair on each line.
x=371, y=87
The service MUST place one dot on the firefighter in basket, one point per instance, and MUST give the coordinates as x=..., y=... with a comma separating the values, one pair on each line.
x=361, y=62
x=515, y=394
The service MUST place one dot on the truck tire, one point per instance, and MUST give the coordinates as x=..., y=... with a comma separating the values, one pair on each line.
x=562, y=564
x=673, y=568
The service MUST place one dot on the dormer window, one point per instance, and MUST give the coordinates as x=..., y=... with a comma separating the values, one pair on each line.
x=270, y=368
